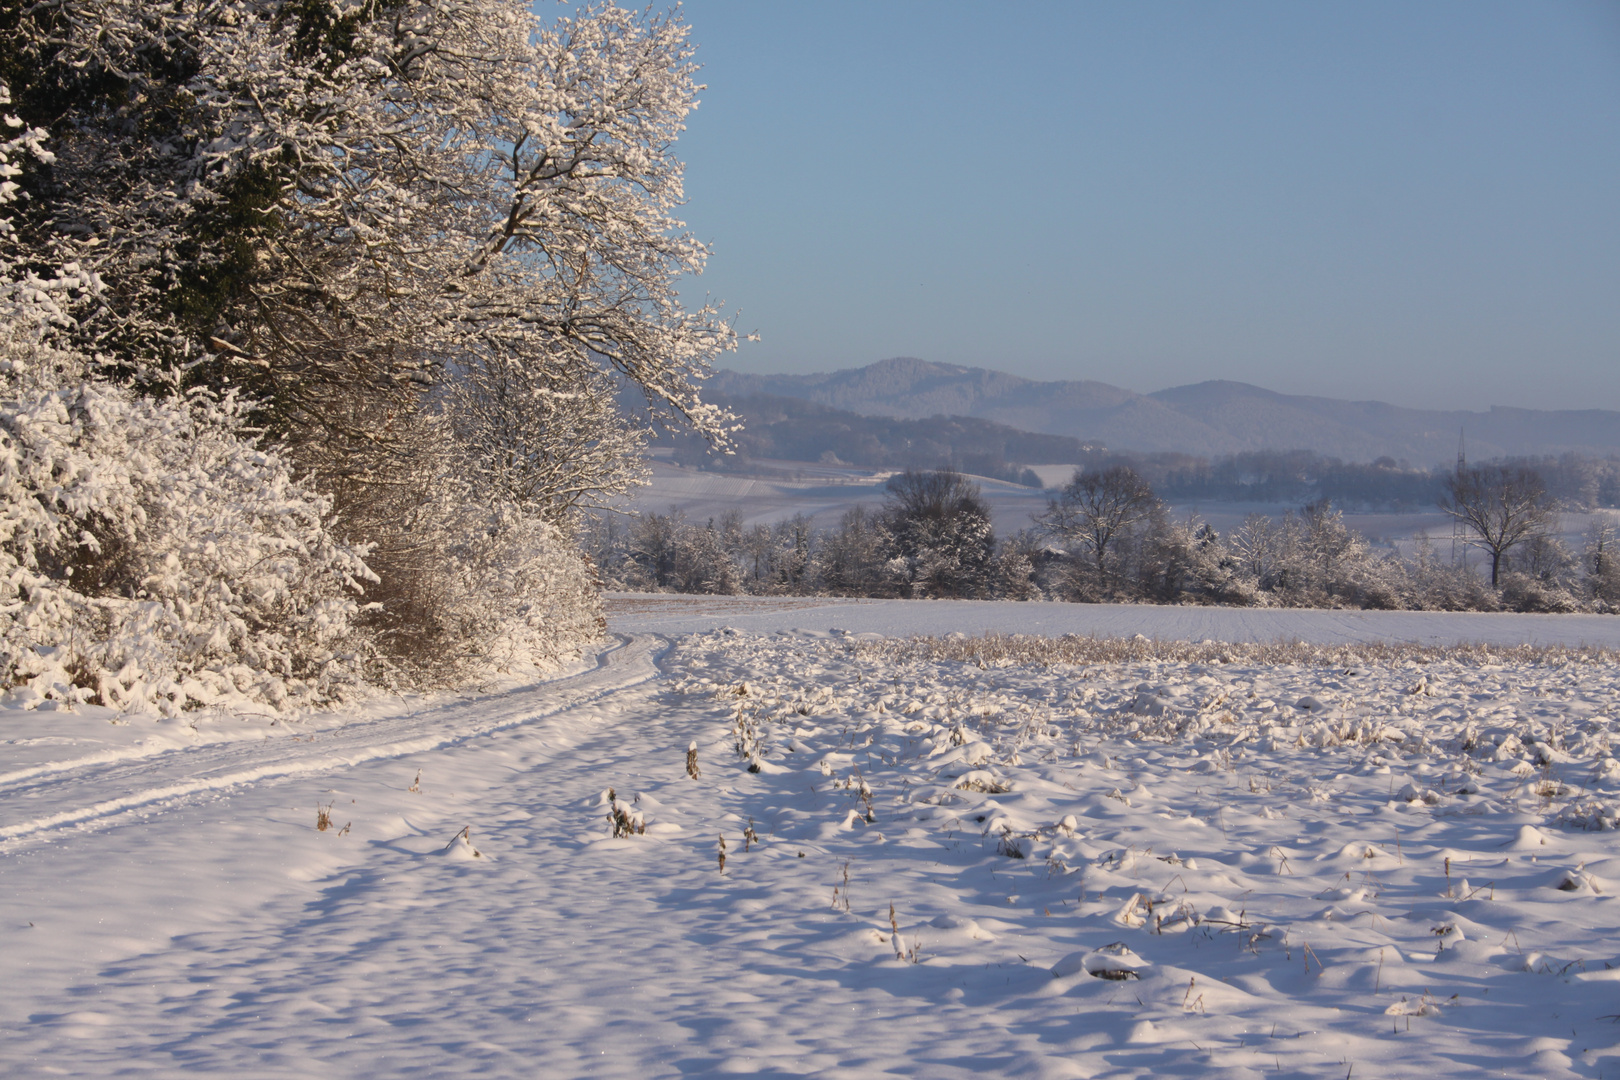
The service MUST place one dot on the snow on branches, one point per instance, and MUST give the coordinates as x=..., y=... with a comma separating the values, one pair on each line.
x=389, y=193
x=424, y=246
x=151, y=556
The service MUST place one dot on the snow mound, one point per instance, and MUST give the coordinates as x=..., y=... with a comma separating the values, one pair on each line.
x=1115, y=962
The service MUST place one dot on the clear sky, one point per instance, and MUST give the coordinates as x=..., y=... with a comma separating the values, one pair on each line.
x=1414, y=202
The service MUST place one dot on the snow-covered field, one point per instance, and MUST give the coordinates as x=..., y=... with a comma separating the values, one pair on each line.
x=667, y=613
x=1104, y=858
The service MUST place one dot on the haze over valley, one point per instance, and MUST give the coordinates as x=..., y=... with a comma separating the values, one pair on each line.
x=1205, y=419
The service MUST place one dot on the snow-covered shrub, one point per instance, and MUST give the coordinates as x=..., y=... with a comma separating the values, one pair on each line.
x=522, y=592
x=469, y=591
x=152, y=556
x=1525, y=592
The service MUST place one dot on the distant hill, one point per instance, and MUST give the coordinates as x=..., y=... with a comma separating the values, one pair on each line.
x=1206, y=419
x=794, y=429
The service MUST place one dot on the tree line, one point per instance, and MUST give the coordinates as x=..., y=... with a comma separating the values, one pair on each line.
x=1574, y=481
x=1107, y=536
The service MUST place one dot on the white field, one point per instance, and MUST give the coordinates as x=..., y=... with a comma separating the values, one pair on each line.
x=1316, y=869
x=667, y=613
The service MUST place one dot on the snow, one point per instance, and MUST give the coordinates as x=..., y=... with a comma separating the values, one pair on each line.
x=1237, y=869
x=666, y=613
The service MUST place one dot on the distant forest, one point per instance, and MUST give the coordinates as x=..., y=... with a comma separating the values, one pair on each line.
x=791, y=429
x=1297, y=477
x=781, y=429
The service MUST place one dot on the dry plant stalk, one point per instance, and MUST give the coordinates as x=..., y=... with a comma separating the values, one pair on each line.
x=691, y=760
x=464, y=834
x=1188, y=1002
x=624, y=821
x=911, y=955
x=722, y=853
x=323, y=817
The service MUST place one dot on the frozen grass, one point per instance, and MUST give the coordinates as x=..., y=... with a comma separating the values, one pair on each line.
x=1003, y=649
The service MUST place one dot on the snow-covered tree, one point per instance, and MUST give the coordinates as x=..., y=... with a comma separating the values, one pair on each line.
x=1012, y=573
x=1094, y=515
x=852, y=556
x=426, y=242
x=1253, y=546
x=703, y=564
x=364, y=193
x=939, y=540
x=1603, y=558
x=544, y=445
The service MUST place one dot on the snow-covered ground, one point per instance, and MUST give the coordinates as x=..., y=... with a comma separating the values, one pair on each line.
x=1195, y=862
x=667, y=613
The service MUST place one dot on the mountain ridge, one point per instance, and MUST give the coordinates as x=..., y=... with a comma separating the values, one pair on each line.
x=1214, y=417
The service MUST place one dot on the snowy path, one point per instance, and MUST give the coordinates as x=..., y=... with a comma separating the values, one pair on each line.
x=71, y=790
x=180, y=914
x=224, y=935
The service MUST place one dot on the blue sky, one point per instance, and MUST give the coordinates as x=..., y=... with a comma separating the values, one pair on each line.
x=1418, y=203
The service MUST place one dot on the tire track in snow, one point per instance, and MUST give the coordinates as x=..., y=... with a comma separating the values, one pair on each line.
x=84, y=792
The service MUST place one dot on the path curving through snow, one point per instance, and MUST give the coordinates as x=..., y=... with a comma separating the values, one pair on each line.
x=99, y=788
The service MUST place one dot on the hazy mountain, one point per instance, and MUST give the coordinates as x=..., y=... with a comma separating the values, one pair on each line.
x=794, y=429
x=1207, y=418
